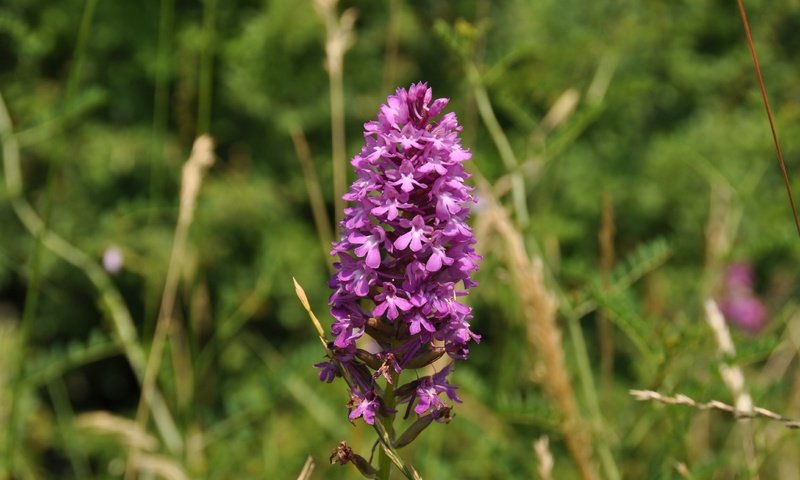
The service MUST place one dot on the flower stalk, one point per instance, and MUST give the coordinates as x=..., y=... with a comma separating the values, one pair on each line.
x=384, y=462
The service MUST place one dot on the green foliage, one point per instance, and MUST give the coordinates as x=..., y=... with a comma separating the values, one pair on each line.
x=106, y=99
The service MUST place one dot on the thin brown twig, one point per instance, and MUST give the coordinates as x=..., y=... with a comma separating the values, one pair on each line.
x=605, y=238
x=786, y=182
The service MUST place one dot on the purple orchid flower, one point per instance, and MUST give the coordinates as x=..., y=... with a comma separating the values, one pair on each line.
x=405, y=261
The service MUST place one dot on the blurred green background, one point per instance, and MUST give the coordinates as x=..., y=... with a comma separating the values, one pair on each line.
x=656, y=111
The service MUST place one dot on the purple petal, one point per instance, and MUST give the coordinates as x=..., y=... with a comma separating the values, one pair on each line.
x=403, y=240
x=416, y=243
x=373, y=257
x=402, y=304
x=379, y=309
x=434, y=263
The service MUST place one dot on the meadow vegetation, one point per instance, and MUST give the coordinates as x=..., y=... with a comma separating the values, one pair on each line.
x=626, y=181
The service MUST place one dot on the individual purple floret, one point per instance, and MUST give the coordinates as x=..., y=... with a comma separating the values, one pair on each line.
x=405, y=258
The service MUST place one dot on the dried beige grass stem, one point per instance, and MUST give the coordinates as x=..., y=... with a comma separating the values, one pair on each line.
x=125, y=429
x=541, y=448
x=202, y=157
x=315, y=197
x=539, y=309
x=680, y=399
x=733, y=376
x=159, y=465
x=339, y=39
x=308, y=469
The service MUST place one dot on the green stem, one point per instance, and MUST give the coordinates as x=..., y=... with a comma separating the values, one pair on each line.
x=110, y=297
x=15, y=191
x=500, y=140
x=206, y=68
x=65, y=421
x=18, y=374
x=338, y=137
x=161, y=98
x=384, y=462
x=590, y=394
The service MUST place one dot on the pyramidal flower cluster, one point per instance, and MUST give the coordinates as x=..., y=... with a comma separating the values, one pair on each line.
x=404, y=260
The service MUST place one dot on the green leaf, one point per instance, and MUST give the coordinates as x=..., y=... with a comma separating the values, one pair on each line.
x=623, y=314
x=57, y=362
x=642, y=261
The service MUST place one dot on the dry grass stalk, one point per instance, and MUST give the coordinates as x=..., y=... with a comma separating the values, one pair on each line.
x=539, y=310
x=308, y=469
x=321, y=220
x=561, y=110
x=196, y=458
x=159, y=465
x=301, y=294
x=541, y=448
x=719, y=232
x=338, y=40
x=558, y=114
x=733, y=376
x=201, y=158
x=127, y=430
x=680, y=399
x=683, y=470
x=782, y=357
x=606, y=239
x=597, y=90
x=390, y=65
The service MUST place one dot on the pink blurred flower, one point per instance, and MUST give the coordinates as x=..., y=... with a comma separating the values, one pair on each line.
x=739, y=303
x=113, y=260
